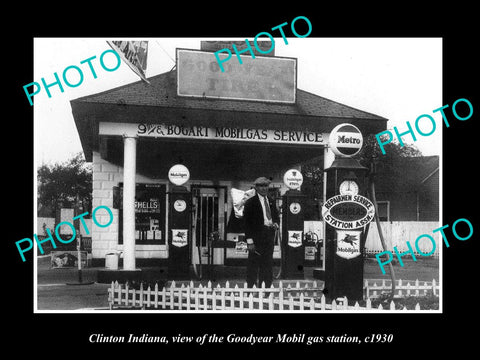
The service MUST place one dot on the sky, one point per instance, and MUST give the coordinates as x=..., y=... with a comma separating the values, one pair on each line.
x=396, y=78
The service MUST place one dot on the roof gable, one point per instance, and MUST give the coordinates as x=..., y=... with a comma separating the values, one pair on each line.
x=161, y=92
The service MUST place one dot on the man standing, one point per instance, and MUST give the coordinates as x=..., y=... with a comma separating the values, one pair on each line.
x=261, y=222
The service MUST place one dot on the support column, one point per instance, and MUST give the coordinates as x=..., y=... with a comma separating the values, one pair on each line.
x=129, y=170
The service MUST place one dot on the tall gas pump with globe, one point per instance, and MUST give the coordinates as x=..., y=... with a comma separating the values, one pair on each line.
x=293, y=209
x=179, y=241
x=346, y=213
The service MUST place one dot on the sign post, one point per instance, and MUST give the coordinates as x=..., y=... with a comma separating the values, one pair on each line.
x=346, y=213
x=79, y=244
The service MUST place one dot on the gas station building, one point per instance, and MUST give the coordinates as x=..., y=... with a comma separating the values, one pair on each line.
x=226, y=128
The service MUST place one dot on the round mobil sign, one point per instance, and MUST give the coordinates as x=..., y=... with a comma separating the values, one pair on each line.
x=346, y=140
x=293, y=179
x=178, y=174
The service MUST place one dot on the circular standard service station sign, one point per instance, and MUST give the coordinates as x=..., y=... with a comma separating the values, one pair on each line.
x=178, y=174
x=180, y=205
x=346, y=140
x=293, y=179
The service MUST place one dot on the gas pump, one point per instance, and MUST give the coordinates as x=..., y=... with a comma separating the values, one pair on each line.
x=293, y=249
x=179, y=239
x=346, y=212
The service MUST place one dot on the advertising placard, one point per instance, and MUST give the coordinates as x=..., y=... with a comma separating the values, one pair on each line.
x=271, y=79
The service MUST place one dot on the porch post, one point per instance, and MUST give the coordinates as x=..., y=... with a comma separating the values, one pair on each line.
x=129, y=169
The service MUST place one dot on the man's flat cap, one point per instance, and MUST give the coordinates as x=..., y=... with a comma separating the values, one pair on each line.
x=262, y=181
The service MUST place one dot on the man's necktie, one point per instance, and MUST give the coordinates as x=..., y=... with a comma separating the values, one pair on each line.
x=267, y=208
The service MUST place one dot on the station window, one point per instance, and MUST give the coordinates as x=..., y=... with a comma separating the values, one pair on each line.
x=150, y=212
x=383, y=210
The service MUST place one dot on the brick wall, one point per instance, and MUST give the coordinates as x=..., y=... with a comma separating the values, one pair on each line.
x=104, y=240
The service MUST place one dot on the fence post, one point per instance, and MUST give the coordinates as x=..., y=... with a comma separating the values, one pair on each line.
x=222, y=299
x=434, y=286
x=235, y=291
x=111, y=294
x=280, y=295
x=232, y=300
x=205, y=299
x=214, y=300
x=180, y=297
x=323, y=302
x=164, y=298
x=149, y=293
x=301, y=301
x=312, y=304
x=195, y=297
x=189, y=300
x=261, y=291
x=141, y=295
x=242, y=298
x=155, y=295
x=172, y=295
x=368, y=304
x=270, y=301
x=417, y=290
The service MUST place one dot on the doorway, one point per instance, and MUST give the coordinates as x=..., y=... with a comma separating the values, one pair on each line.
x=208, y=223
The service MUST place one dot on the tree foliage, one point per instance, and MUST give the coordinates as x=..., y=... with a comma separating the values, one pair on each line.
x=371, y=152
x=60, y=184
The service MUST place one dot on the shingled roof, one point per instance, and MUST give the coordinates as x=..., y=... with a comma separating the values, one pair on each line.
x=161, y=92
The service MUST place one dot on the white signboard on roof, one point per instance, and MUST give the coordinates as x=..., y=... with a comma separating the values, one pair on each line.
x=263, y=78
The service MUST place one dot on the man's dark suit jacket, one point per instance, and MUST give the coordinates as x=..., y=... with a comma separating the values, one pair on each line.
x=253, y=215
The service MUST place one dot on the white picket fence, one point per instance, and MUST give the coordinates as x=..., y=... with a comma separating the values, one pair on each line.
x=188, y=296
x=375, y=288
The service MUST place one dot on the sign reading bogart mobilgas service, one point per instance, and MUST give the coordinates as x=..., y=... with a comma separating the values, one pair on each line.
x=214, y=133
